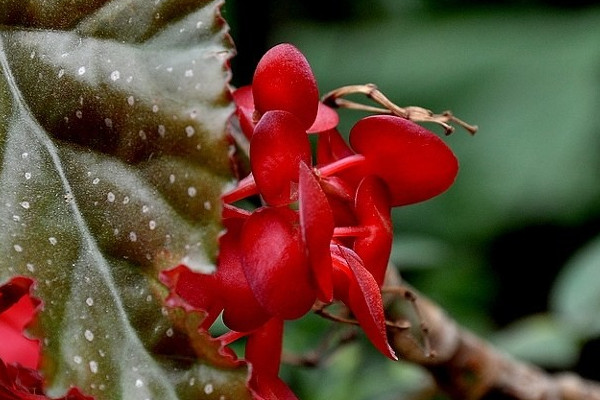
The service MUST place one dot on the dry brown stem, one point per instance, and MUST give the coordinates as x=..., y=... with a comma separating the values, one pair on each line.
x=467, y=367
x=336, y=99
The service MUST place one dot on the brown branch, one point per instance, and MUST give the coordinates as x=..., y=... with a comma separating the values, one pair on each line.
x=468, y=368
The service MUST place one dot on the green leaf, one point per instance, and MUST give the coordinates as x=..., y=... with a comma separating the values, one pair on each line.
x=541, y=339
x=575, y=296
x=113, y=157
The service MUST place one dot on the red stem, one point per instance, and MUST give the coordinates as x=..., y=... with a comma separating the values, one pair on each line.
x=342, y=164
x=246, y=187
x=350, y=231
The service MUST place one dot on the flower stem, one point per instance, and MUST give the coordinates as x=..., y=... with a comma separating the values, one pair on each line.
x=341, y=164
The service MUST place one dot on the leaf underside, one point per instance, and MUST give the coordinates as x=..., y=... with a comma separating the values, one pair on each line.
x=112, y=160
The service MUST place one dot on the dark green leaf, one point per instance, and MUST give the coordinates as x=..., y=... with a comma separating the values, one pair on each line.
x=113, y=151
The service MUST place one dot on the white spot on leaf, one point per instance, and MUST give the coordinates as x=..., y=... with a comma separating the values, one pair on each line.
x=208, y=388
x=94, y=367
x=189, y=131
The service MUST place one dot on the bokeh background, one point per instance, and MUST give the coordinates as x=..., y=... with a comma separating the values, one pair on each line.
x=512, y=250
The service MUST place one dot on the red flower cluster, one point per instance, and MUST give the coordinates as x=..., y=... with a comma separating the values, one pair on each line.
x=323, y=231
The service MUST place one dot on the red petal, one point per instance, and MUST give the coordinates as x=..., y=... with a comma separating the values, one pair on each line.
x=283, y=80
x=244, y=103
x=191, y=290
x=415, y=163
x=271, y=388
x=242, y=312
x=316, y=221
x=20, y=383
x=263, y=352
x=263, y=348
x=17, y=310
x=331, y=147
x=278, y=145
x=327, y=118
x=357, y=288
x=373, y=211
x=275, y=263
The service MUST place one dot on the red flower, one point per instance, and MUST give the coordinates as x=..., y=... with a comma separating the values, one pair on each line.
x=324, y=228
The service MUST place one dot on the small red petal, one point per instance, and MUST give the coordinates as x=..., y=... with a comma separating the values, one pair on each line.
x=415, y=163
x=277, y=147
x=192, y=290
x=331, y=147
x=373, y=211
x=17, y=310
x=316, y=222
x=263, y=348
x=14, y=346
x=275, y=262
x=327, y=119
x=242, y=312
x=263, y=352
x=283, y=80
x=244, y=109
x=357, y=288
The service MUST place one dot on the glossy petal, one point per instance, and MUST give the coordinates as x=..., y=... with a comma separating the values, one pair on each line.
x=331, y=147
x=415, y=163
x=316, y=222
x=278, y=145
x=193, y=291
x=275, y=262
x=263, y=348
x=373, y=212
x=356, y=287
x=242, y=312
x=283, y=80
x=17, y=310
x=263, y=352
x=326, y=120
x=244, y=109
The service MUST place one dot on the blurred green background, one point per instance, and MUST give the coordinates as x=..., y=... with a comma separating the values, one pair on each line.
x=512, y=250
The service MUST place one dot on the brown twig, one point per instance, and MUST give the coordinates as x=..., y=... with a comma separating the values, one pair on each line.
x=335, y=99
x=468, y=368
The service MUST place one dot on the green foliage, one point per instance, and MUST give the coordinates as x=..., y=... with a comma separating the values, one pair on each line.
x=113, y=150
x=575, y=298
